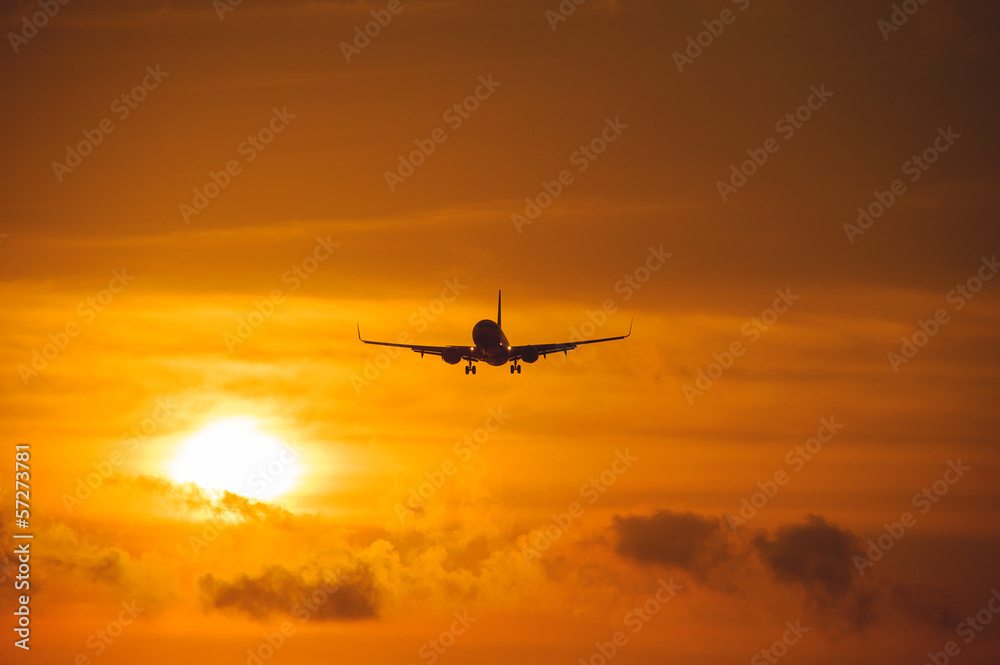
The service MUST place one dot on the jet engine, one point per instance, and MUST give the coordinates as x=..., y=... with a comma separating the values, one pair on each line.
x=452, y=355
x=529, y=355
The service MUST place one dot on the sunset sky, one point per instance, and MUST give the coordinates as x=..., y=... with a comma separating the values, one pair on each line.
x=792, y=458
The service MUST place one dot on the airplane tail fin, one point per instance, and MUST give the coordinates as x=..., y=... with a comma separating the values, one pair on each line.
x=498, y=307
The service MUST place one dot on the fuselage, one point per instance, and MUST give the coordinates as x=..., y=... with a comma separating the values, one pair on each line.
x=491, y=344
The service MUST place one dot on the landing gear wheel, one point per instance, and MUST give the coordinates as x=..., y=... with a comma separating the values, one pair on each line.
x=518, y=369
x=512, y=368
x=473, y=369
x=467, y=369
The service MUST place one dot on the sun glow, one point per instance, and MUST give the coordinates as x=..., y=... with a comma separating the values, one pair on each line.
x=234, y=455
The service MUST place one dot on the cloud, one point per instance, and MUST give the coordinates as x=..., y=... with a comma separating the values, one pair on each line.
x=686, y=540
x=926, y=604
x=71, y=566
x=161, y=494
x=815, y=554
x=325, y=597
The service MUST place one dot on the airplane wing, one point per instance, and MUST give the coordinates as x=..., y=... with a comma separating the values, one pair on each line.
x=518, y=352
x=459, y=352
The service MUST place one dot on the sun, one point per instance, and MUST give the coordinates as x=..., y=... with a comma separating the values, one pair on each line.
x=234, y=455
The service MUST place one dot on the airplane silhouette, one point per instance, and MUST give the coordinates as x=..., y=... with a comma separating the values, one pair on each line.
x=490, y=345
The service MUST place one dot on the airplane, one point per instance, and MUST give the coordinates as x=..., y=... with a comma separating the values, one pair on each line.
x=490, y=345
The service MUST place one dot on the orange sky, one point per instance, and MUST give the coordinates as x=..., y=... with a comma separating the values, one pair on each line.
x=203, y=256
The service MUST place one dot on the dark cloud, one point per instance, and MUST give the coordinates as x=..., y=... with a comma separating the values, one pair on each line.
x=88, y=562
x=815, y=554
x=926, y=604
x=74, y=565
x=191, y=498
x=107, y=568
x=692, y=542
x=818, y=556
x=344, y=596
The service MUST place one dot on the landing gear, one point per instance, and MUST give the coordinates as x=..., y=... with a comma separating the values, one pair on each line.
x=471, y=369
x=515, y=367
